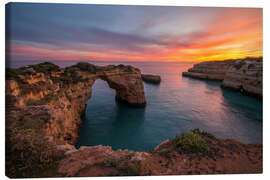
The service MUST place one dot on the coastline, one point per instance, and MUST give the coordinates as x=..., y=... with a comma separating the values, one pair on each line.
x=57, y=108
x=242, y=75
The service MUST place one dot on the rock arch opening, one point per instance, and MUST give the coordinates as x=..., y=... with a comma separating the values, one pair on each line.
x=64, y=92
x=107, y=121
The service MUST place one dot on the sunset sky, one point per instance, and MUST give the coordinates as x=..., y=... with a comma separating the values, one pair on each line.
x=131, y=33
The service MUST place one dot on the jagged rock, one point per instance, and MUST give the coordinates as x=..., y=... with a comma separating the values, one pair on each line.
x=227, y=156
x=240, y=75
x=212, y=70
x=155, y=79
x=65, y=91
x=33, y=105
x=245, y=76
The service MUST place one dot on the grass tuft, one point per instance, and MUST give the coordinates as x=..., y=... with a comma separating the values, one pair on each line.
x=190, y=143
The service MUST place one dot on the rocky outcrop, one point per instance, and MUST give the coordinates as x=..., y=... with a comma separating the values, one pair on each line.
x=223, y=156
x=44, y=104
x=243, y=75
x=65, y=91
x=212, y=70
x=126, y=81
x=149, y=78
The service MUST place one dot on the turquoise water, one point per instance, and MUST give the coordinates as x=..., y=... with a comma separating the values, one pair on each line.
x=177, y=105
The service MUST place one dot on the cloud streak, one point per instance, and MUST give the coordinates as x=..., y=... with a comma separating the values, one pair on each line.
x=75, y=32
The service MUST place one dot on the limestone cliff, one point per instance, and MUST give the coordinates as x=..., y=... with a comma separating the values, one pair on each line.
x=43, y=108
x=65, y=92
x=212, y=70
x=243, y=75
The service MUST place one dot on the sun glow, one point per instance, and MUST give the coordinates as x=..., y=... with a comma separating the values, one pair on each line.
x=201, y=34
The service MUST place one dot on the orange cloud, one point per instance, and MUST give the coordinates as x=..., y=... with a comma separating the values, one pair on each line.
x=234, y=33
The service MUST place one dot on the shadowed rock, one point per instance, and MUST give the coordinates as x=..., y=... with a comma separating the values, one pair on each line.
x=168, y=158
x=212, y=70
x=243, y=75
x=155, y=79
x=43, y=108
x=65, y=91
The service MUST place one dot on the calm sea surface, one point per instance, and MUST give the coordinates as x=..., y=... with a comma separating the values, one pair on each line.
x=177, y=105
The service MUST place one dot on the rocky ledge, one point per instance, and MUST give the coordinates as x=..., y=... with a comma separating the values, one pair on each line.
x=196, y=152
x=44, y=104
x=244, y=75
x=149, y=78
x=47, y=102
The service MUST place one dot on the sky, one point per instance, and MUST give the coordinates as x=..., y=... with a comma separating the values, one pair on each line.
x=42, y=31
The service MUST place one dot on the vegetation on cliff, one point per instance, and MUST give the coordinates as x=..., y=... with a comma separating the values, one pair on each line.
x=29, y=153
x=195, y=152
x=43, y=108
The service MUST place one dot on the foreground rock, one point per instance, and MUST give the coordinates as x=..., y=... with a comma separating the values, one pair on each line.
x=220, y=157
x=155, y=79
x=65, y=91
x=240, y=75
x=43, y=89
x=44, y=104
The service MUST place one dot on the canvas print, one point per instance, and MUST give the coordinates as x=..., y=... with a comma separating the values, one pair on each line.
x=114, y=90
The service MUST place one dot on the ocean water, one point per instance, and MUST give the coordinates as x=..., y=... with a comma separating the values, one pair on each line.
x=178, y=104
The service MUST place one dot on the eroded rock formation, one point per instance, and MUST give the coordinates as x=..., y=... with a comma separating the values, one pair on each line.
x=43, y=108
x=222, y=156
x=155, y=79
x=212, y=70
x=245, y=76
x=240, y=75
x=65, y=91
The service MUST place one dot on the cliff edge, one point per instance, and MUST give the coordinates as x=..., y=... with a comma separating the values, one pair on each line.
x=44, y=104
x=244, y=75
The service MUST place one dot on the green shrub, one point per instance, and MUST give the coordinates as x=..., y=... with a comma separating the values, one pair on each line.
x=55, y=80
x=123, y=165
x=131, y=169
x=28, y=152
x=66, y=79
x=111, y=162
x=84, y=66
x=46, y=67
x=12, y=73
x=190, y=143
x=164, y=152
x=202, y=133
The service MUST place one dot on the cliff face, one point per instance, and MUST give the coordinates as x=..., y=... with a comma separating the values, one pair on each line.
x=65, y=92
x=245, y=76
x=43, y=108
x=172, y=157
x=212, y=70
x=240, y=75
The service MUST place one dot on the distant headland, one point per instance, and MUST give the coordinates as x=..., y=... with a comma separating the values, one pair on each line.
x=243, y=75
x=44, y=104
